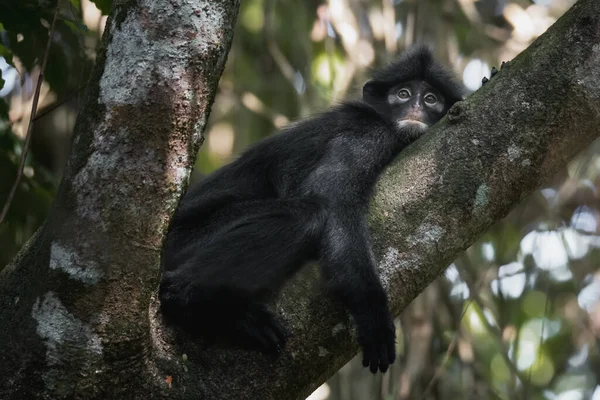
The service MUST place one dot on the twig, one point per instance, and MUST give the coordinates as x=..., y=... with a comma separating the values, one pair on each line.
x=389, y=18
x=496, y=336
x=36, y=97
x=479, y=285
x=454, y=341
x=451, y=347
x=60, y=103
x=254, y=104
x=285, y=66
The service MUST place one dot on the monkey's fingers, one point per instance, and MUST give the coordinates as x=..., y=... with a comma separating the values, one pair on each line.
x=392, y=352
x=384, y=361
x=260, y=326
x=276, y=333
x=374, y=365
x=379, y=352
x=387, y=354
x=274, y=342
x=493, y=72
x=371, y=355
x=367, y=356
x=268, y=319
x=262, y=337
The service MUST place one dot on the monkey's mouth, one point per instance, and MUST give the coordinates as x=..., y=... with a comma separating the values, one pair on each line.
x=413, y=123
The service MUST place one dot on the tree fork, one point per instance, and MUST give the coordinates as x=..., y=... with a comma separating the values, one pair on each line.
x=77, y=317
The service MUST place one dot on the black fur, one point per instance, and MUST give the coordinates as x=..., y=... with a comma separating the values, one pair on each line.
x=297, y=196
x=418, y=64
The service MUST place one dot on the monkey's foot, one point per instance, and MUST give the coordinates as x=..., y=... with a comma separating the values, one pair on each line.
x=260, y=327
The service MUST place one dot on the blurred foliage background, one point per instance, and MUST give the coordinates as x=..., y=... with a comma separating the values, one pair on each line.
x=517, y=316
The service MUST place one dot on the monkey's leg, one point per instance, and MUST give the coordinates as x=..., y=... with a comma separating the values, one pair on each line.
x=348, y=267
x=259, y=246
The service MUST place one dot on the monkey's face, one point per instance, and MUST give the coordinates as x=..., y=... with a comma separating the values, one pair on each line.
x=415, y=104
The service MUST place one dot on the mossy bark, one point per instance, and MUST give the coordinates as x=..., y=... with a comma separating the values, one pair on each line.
x=77, y=315
x=74, y=304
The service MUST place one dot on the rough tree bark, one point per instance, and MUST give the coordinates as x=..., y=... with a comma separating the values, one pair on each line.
x=74, y=304
x=77, y=313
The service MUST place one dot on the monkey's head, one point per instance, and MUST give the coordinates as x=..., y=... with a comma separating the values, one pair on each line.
x=414, y=91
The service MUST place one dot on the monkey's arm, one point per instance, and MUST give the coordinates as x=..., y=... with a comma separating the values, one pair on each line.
x=349, y=270
x=345, y=178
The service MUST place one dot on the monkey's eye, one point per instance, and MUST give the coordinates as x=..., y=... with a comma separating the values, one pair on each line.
x=403, y=94
x=430, y=99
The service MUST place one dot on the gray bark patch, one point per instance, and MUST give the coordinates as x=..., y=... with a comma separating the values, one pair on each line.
x=61, y=331
x=69, y=262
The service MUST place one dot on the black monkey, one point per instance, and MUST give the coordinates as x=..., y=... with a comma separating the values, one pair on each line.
x=298, y=196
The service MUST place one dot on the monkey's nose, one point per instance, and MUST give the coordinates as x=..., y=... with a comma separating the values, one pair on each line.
x=415, y=113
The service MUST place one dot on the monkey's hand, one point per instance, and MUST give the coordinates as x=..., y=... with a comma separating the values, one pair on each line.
x=377, y=336
x=493, y=73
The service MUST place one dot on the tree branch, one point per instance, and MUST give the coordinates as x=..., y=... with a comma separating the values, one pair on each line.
x=32, y=117
x=74, y=304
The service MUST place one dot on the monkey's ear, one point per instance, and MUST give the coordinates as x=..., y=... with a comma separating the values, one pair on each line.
x=371, y=91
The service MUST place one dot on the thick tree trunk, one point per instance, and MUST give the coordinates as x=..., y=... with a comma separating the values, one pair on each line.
x=77, y=316
x=74, y=304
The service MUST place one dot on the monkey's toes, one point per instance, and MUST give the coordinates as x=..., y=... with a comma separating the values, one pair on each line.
x=262, y=328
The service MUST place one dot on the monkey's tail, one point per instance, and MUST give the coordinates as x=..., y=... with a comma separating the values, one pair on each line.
x=249, y=256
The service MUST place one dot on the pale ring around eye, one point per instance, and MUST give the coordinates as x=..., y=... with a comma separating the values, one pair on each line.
x=403, y=94
x=431, y=99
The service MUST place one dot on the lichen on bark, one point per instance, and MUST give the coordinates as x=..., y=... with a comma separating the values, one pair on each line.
x=132, y=154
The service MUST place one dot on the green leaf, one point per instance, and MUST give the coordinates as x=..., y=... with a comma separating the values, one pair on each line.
x=77, y=26
x=75, y=3
x=103, y=5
